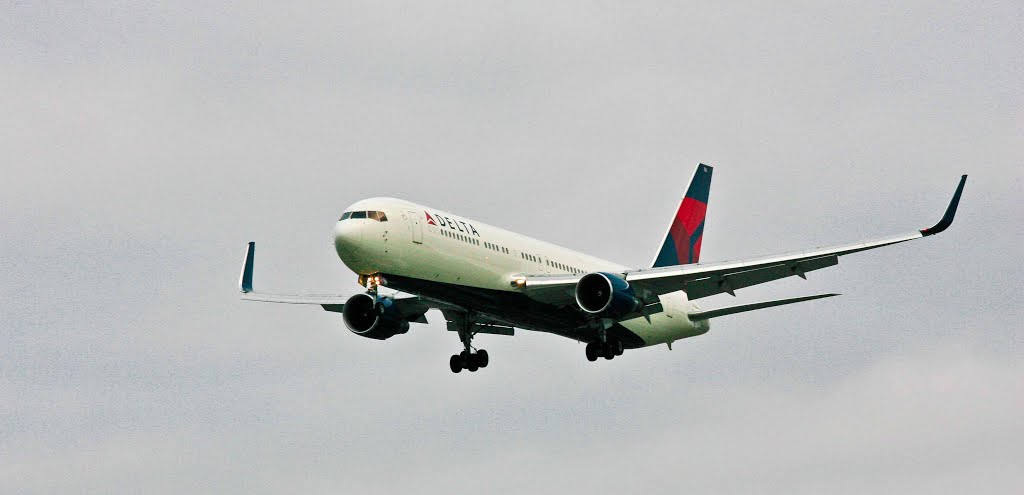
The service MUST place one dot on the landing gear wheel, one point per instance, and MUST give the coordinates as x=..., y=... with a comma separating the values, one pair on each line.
x=618, y=348
x=455, y=363
x=592, y=352
x=468, y=359
x=609, y=351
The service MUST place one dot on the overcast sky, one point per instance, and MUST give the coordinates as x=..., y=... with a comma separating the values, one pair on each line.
x=142, y=146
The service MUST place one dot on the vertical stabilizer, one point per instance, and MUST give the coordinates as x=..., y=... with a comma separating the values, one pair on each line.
x=682, y=241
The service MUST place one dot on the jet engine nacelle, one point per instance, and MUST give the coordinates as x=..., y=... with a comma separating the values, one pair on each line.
x=375, y=318
x=606, y=295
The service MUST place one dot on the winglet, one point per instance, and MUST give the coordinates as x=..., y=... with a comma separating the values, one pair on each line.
x=245, y=279
x=947, y=218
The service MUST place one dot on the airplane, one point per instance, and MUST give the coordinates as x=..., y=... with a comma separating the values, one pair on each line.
x=486, y=280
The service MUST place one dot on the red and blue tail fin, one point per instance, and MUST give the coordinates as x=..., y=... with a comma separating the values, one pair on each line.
x=682, y=241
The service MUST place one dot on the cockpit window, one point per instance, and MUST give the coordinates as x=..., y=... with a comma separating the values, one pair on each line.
x=372, y=215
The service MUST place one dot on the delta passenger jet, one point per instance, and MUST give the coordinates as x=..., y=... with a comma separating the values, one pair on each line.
x=486, y=280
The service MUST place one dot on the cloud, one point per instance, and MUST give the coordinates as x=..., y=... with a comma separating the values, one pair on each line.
x=144, y=145
x=938, y=420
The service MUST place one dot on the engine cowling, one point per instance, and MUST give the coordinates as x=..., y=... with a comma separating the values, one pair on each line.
x=606, y=295
x=374, y=318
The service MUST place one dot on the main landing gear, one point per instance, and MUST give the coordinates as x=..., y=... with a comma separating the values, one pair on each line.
x=469, y=359
x=608, y=349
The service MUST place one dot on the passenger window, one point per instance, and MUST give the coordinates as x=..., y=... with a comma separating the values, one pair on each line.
x=358, y=214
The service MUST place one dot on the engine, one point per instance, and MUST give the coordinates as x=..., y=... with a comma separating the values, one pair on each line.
x=375, y=318
x=606, y=295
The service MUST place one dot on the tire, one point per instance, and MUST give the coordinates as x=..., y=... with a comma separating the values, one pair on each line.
x=609, y=352
x=591, y=352
x=455, y=363
x=619, y=349
x=482, y=359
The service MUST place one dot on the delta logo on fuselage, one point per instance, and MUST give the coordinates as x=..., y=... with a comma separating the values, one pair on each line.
x=443, y=221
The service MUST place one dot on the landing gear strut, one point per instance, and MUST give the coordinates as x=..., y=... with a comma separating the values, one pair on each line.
x=469, y=359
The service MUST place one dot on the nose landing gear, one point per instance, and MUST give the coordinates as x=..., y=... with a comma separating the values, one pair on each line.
x=371, y=282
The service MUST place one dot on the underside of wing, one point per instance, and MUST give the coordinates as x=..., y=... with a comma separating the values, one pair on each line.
x=296, y=298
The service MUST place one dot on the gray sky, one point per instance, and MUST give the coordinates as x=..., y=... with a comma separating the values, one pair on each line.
x=141, y=147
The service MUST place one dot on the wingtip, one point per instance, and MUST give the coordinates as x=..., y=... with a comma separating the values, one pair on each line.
x=947, y=218
x=245, y=279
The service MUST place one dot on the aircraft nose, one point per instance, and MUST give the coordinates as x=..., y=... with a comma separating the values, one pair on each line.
x=347, y=237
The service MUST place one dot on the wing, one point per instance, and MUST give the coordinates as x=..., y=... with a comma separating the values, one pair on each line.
x=411, y=308
x=703, y=280
x=245, y=287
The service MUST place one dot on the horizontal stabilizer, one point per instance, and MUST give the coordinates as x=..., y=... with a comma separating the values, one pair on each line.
x=714, y=313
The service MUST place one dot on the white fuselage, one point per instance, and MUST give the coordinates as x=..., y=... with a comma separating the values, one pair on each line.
x=435, y=246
